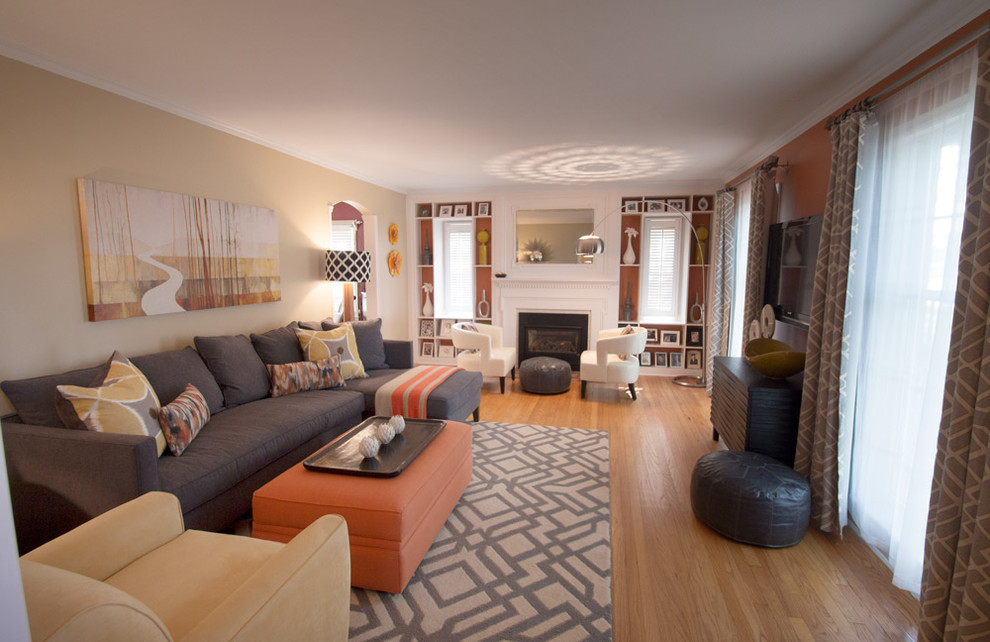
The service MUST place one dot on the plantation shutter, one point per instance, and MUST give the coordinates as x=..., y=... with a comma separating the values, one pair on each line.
x=663, y=271
x=456, y=280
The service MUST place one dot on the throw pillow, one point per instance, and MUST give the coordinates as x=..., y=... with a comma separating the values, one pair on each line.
x=278, y=346
x=236, y=367
x=169, y=372
x=182, y=419
x=124, y=404
x=628, y=329
x=370, y=344
x=35, y=400
x=288, y=378
x=326, y=343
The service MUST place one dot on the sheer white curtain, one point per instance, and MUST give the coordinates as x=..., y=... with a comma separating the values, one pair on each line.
x=903, y=266
x=737, y=324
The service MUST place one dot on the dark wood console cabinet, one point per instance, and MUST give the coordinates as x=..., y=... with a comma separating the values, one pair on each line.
x=753, y=412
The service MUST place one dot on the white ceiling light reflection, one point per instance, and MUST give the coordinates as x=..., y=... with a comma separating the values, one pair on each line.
x=585, y=164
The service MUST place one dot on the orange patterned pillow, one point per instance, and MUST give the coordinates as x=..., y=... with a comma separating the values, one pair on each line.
x=305, y=375
x=182, y=419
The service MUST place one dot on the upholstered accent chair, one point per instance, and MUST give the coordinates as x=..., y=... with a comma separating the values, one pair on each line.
x=615, y=358
x=134, y=573
x=483, y=351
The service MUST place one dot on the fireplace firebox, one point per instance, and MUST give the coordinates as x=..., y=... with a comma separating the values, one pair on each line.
x=553, y=334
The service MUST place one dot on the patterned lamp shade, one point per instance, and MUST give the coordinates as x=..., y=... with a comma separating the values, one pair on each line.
x=348, y=267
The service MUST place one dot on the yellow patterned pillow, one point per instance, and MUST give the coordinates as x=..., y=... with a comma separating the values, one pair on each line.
x=125, y=403
x=322, y=344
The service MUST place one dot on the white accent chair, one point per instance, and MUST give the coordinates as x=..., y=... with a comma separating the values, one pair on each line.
x=486, y=354
x=615, y=359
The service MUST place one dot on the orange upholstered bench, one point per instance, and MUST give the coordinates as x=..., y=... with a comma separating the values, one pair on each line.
x=391, y=521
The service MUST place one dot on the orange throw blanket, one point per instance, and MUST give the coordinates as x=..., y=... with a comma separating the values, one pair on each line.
x=406, y=395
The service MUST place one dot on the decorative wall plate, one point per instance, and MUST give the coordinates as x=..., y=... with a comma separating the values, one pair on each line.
x=393, y=233
x=394, y=262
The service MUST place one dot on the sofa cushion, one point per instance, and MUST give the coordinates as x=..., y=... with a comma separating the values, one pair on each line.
x=288, y=378
x=124, y=404
x=169, y=372
x=236, y=367
x=34, y=399
x=370, y=344
x=341, y=342
x=278, y=346
x=241, y=441
x=183, y=418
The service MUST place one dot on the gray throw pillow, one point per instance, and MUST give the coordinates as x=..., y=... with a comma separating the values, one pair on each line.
x=370, y=345
x=236, y=367
x=170, y=371
x=278, y=346
x=34, y=399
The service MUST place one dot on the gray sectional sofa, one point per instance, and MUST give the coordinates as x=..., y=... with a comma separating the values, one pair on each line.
x=60, y=478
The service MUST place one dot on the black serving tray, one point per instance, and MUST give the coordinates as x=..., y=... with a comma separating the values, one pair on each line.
x=342, y=455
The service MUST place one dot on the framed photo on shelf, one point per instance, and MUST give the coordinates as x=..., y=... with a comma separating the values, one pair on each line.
x=651, y=335
x=425, y=211
x=661, y=359
x=654, y=206
x=692, y=359
x=426, y=328
x=427, y=349
x=445, y=211
x=674, y=359
x=461, y=209
x=679, y=203
x=483, y=209
x=670, y=337
x=446, y=351
x=445, y=326
x=646, y=358
x=630, y=204
x=694, y=337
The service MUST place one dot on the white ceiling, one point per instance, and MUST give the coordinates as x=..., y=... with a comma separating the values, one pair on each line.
x=498, y=95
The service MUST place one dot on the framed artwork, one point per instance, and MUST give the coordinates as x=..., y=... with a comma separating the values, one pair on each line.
x=661, y=359
x=148, y=252
x=678, y=203
x=694, y=337
x=646, y=358
x=426, y=327
x=446, y=351
x=654, y=206
x=483, y=209
x=630, y=204
x=692, y=359
x=427, y=349
x=424, y=211
x=670, y=337
x=675, y=359
x=445, y=325
x=446, y=211
x=461, y=209
x=651, y=335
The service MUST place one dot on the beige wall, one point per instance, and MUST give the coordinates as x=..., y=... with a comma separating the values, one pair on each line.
x=54, y=130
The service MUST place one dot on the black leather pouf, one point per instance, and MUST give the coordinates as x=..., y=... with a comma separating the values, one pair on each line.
x=545, y=375
x=751, y=498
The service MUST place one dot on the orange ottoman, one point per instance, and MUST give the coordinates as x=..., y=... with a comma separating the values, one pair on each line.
x=391, y=521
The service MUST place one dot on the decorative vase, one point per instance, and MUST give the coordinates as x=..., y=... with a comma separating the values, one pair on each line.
x=627, y=306
x=428, y=306
x=629, y=257
x=483, y=307
x=427, y=254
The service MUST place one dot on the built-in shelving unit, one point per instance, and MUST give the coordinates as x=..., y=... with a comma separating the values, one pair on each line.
x=433, y=342
x=672, y=349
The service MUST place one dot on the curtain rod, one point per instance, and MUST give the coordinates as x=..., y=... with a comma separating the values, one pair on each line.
x=772, y=162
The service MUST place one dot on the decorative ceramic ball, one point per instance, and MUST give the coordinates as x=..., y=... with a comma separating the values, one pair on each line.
x=369, y=447
x=398, y=423
x=385, y=432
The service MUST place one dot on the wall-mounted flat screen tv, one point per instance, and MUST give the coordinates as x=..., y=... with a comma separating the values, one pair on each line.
x=792, y=252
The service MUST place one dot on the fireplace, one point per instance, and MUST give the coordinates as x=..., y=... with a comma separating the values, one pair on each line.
x=553, y=334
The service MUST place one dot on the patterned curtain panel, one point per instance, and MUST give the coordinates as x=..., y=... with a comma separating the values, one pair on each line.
x=955, y=590
x=753, y=303
x=723, y=250
x=816, y=456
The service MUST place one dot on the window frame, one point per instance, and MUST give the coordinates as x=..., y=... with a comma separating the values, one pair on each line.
x=448, y=303
x=677, y=312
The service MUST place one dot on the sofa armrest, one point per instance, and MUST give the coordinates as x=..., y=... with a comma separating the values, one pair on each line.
x=300, y=593
x=399, y=354
x=60, y=478
x=109, y=542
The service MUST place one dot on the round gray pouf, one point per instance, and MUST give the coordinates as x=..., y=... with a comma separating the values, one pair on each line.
x=751, y=498
x=545, y=375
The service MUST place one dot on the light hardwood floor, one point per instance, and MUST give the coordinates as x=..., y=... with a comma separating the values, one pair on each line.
x=675, y=579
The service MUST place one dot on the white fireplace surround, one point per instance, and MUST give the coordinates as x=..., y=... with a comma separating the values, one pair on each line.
x=596, y=299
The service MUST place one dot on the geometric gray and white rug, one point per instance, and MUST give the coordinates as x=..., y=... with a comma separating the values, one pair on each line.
x=525, y=555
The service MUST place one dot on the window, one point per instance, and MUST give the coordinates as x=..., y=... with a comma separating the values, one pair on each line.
x=454, y=273
x=737, y=325
x=343, y=236
x=663, y=278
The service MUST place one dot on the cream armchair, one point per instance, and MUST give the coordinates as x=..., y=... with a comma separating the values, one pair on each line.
x=615, y=358
x=133, y=573
x=487, y=354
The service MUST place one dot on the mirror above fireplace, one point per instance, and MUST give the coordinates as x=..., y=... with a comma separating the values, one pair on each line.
x=547, y=236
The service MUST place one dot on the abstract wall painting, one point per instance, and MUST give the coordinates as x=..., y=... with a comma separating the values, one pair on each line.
x=149, y=252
